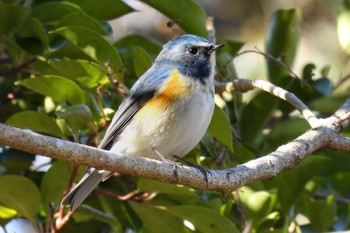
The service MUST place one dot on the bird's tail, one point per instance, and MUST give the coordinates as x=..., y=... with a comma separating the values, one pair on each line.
x=85, y=186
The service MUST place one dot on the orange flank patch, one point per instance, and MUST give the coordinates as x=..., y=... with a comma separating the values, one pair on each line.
x=174, y=87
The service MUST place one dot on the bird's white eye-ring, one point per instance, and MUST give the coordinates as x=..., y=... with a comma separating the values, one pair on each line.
x=193, y=50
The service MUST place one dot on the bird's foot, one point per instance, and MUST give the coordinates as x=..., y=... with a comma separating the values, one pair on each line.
x=204, y=171
x=175, y=165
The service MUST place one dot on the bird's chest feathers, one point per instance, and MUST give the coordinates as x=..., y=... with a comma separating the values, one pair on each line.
x=174, y=89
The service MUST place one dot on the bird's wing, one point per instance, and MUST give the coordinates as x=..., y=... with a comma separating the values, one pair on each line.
x=142, y=91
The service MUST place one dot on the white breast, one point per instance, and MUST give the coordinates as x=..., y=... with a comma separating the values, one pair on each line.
x=175, y=131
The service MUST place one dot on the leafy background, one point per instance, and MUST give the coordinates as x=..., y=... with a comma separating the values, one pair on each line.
x=65, y=66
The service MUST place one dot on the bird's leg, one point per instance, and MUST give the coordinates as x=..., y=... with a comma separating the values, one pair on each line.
x=175, y=164
x=204, y=171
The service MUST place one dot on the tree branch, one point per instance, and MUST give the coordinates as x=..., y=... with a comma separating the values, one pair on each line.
x=228, y=180
x=244, y=85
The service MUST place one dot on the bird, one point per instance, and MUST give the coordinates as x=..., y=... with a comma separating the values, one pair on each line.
x=166, y=112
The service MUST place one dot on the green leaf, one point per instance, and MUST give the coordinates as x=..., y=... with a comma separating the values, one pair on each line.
x=258, y=205
x=321, y=213
x=282, y=41
x=293, y=181
x=83, y=20
x=176, y=193
x=325, y=70
x=53, y=11
x=287, y=130
x=203, y=219
x=232, y=47
x=261, y=107
x=83, y=71
x=58, y=88
x=35, y=121
x=328, y=105
x=12, y=17
x=77, y=116
x=340, y=182
x=153, y=48
x=142, y=62
x=16, y=161
x=93, y=45
x=226, y=54
x=78, y=111
x=21, y=194
x=154, y=219
x=40, y=33
x=188, y=13
x=104, y=9
x=308, y=71
x=147, y=185
x=220, y=128
x=55, y=182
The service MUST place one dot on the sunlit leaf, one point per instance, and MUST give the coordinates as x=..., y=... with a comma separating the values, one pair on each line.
x=58, y=88
x=7, y=212
x=93, y=45
x=21, y=194
x=83, y=71
x=258, y=205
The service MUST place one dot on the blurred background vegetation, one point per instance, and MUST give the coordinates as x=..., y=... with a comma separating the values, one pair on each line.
x=66, y=65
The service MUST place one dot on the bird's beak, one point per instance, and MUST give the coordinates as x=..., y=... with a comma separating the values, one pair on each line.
x=215, y=47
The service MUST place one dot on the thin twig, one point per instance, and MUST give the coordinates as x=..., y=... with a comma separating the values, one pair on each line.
x=128, y=197
x=268, y=56
x=341, y=82
x=19, y=68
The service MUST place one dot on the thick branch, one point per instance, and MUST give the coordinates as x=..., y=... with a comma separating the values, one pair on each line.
x=339, y=143
x=285, y=157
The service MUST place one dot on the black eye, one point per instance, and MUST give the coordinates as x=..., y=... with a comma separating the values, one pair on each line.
x=193, y=50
